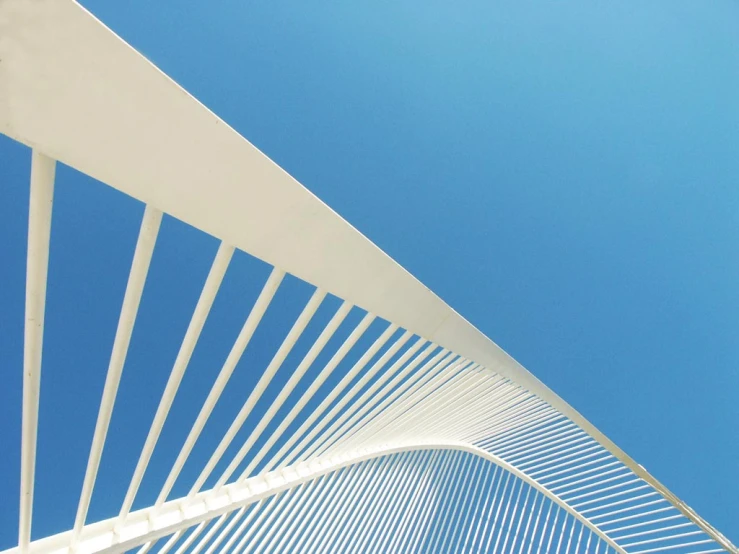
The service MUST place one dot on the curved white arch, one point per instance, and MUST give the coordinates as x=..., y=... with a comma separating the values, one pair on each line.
x=66, y=81
x=142, y=526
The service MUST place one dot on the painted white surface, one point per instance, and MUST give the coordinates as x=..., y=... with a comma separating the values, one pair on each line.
x=72, y=89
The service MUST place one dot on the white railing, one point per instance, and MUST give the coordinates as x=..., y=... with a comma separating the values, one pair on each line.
x=477, y=452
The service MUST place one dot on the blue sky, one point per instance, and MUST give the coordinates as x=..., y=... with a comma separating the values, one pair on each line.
x=563, y=174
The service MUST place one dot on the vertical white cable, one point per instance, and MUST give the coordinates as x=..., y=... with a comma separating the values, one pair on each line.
x=440, y=502
x=237, y=350
x=521, y=485
x=194, y=534
x=132, y=297
x=439, y=480
x=171, y=542
x=528, y=521
x=266, y=378
x=202, y=309
x=496, y=529
x=562, y=532
x=43, y=170
x=235, y=516
x=327, y=370
x=280, y=456
x=473, y=504
x=458, y=494
x=231, y=524
x=353, y=502
x=482, y=499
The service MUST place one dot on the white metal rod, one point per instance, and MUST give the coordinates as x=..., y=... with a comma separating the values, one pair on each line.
x=227, y=530
x=345, y=399
x=663, y=539
x=235, y=515
x=265, y=502
x=43, y=170
x=415, y=509
x=171, y=542
x=460, y=507
x=281, y=500
x=609, y=496
x=287, y=389
x=371, y=415
x=620, y=502
x=134, y=289
x=674, y=546
x=488, y=524
x=562, y=531
x=575, y=475
x=421, y=414
x=579, y=539
x=337, y=390
x=282, y=352
x=323, y=487
x=544, y=527
x=290, y=518
x=550, y=471
x=347, y=505
x=393, y=480
x=146, y=547
x=440, y=505
x=453, y=505
x=291, y=510
x=328, y=435
x=571, y=500
x=481, y=490
x=440, y=478
x=323, y=530
x=528, y=521
x=406, y=407
x=558, y=457
x=537, y=439
x=242, y=534
x=194, y=534
x=471, y=505
x=623, y=470
x=545, y=418
x=242, y=341
x=347, y=424
x=513, y=516
x=397, y=484
x=538, y=420
x=641, y=523
x=330, y=508
x=569, y=539
x=659, y=530
x=360, y=511
x=388, y=525
x=202, y=309
x=542, y=501
x=495, y=528
x=328, y=369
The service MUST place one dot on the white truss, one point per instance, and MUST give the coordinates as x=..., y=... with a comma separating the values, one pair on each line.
x=434, y=439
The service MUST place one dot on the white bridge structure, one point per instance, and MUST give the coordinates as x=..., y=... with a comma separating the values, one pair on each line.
x=412, y=432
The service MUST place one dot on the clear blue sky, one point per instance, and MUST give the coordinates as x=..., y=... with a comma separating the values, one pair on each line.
x=564, y=174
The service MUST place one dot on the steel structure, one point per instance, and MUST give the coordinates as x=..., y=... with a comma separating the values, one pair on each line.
x=418, y=433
